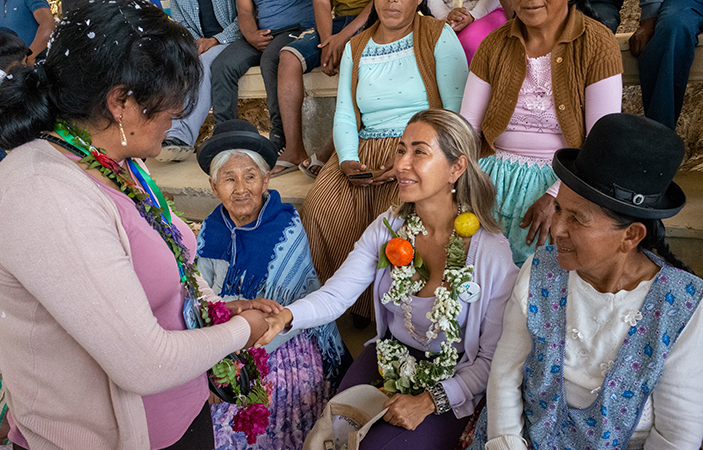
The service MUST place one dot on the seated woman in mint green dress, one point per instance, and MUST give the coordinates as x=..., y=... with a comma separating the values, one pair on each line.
x=253, y=246
x=403, y=64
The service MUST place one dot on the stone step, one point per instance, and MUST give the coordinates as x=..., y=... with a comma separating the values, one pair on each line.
x=193, y=196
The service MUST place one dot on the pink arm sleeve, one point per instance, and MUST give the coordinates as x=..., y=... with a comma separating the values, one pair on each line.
x=603, y=97
x=475, y=102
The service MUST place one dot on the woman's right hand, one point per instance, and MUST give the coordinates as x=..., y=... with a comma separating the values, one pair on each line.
x=276, y=324
x=258, y=324
x=355, y=168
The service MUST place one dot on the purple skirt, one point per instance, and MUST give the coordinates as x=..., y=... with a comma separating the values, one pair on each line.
x=299, y=396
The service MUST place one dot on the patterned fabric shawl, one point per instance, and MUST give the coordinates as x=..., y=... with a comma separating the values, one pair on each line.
x=269, y=258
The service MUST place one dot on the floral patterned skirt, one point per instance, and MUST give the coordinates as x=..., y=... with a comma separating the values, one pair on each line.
x=300, y=393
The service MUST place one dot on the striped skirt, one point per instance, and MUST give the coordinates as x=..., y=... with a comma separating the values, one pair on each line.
x=335, y=213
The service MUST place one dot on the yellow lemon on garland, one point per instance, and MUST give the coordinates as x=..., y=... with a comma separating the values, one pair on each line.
x=466, y=224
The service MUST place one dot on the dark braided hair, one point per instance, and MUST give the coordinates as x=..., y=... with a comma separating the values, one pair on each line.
x=654, y=241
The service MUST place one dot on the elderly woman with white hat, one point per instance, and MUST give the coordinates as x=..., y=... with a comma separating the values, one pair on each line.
x=253, y=245
x=601, y=337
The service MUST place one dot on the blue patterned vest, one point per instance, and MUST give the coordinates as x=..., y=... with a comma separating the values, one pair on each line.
x=608, y=423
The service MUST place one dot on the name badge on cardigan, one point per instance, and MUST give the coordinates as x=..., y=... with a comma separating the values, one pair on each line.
x=472, y=292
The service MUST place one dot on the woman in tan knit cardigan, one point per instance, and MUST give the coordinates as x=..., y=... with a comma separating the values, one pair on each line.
x=537, y=84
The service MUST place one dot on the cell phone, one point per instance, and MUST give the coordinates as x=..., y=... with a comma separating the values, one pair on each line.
x=361, y=176
x=293, y=27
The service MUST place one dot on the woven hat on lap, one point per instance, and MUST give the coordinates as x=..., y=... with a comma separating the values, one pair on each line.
x=236, y=134
x=347, y=419
x=626, y=164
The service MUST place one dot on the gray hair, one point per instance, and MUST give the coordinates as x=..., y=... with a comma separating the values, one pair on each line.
x=221, y=158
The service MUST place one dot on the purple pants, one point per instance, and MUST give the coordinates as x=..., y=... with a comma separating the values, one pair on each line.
x=435, y=432
x=472, y=35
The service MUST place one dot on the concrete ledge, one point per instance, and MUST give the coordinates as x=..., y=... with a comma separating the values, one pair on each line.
x=631, y=73
x=192, y=194
x=317, y=84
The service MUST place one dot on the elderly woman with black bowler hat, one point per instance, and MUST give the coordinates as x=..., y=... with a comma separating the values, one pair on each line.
x=601, y=337
x=253, y=246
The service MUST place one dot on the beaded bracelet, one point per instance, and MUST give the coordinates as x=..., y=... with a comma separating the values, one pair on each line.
x=439, y=397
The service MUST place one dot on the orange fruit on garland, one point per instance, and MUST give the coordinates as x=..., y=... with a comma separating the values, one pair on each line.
x=399, y=252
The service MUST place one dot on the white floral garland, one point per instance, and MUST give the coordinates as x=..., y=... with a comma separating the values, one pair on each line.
x=401, y=372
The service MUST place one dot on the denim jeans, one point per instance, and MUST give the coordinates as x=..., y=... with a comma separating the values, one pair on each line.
x=608, y=12
x=666, y=61
x=233, y=63
x=188, y=128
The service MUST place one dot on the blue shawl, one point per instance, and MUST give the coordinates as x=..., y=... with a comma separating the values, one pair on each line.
x=269, y=258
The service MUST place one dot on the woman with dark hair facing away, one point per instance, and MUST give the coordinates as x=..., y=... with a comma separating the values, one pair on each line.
x=601, y=336
x=12, y=51
x=441, y=273
x=537, y=84
x=94, y=267
x=402, y=64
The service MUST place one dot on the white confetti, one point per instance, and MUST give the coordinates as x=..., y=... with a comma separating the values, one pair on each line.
x=66, y=52
x=3, y=314
x=91, y=35
x=116, y=43
x=9, y=77
x=140, y=29
x=129, y=93
x=87, y=22
x=137, y=6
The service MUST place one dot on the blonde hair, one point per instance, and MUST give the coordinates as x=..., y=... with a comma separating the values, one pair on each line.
x=474, y=189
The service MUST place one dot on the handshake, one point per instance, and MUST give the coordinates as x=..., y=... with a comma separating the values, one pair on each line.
x=266, y=319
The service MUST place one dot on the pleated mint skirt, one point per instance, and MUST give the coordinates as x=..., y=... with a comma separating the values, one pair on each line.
x=519, y=182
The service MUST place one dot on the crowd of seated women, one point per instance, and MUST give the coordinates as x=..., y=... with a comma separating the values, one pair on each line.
x=500, y=222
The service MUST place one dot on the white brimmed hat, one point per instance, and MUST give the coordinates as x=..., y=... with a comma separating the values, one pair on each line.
x=347, y=418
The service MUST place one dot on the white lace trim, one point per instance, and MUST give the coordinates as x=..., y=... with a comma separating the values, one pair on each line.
x=386, y=57
x=535, y=109
x=515, y=158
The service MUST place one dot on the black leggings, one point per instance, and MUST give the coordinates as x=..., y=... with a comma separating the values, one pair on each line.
x=198, y=436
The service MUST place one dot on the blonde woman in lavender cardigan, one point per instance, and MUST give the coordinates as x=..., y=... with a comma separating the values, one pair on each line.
x=438, y=174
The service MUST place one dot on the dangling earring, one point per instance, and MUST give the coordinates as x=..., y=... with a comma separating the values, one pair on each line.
x=122, y=135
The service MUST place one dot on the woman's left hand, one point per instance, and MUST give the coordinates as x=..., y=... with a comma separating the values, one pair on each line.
x=408, y=411
x=262, y=304
x=539, y=218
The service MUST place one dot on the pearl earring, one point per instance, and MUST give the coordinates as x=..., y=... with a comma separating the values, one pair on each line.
x=122, y=135
x=453, y=191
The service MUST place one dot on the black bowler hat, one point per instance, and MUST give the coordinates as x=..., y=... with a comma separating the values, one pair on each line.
x=236, y=134
x=626, y=164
